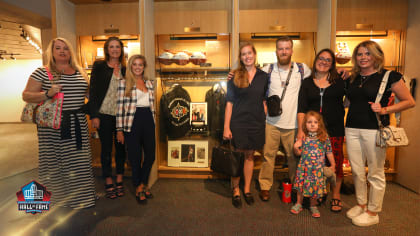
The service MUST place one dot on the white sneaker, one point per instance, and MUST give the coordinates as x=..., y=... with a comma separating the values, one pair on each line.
x=365, y=219
x=355, y=211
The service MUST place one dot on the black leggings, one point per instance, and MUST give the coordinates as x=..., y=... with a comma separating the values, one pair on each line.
x=107, y=135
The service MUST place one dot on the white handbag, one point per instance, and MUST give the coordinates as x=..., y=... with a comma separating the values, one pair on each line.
x=388, y=136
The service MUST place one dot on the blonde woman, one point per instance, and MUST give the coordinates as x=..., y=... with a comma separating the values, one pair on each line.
x=136, y=123
x=64, y=154
x=361, y=127
x=245, y=116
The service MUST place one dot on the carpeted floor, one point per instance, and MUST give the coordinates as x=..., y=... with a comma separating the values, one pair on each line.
x=199, y=207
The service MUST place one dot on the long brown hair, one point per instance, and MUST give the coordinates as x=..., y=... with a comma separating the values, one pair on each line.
x=73, y=61
x=333, y=69
x=375, y=51
x=130, y=78
x=322, y=131
x=107, y=42
x=241, y=74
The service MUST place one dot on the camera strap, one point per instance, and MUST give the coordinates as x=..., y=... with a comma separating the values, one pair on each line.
x=287, y=82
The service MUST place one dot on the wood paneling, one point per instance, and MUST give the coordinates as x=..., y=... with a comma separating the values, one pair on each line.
x=371, y=15
x=288, y=20
x=93, y=19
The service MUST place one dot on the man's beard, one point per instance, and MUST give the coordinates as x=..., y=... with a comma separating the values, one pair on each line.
x=284, y=61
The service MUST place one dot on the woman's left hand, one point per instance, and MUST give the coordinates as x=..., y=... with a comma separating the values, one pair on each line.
x=377, y=108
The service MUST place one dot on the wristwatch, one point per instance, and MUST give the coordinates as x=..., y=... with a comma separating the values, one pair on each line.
x=46, y=95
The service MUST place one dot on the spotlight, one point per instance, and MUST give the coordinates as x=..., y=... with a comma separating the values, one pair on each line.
x=12, y=57
x=2, y=58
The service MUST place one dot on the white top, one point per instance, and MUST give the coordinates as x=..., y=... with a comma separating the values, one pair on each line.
x=142, y=98
x=288, y=119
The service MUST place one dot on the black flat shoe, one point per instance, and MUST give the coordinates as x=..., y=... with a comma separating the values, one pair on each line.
x=139, y=196
x=249, y=199
x=236, y=201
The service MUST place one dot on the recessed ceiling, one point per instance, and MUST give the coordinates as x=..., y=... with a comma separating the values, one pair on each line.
x=11, y=41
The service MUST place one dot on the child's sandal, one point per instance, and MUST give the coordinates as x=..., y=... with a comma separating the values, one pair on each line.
x=315, y=212
x=120, y=189
x=110, y=191
x=296, y=209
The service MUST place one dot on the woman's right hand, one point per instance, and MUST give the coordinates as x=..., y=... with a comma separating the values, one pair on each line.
x=55, y=88
x=227, y=134
x=120, y=137
x=95, y=123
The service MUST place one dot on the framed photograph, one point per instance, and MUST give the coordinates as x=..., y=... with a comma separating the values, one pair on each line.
x=188, y=153
x=198, y=113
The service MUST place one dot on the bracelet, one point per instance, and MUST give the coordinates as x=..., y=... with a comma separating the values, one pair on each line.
x=386, y=110
x=46, y=95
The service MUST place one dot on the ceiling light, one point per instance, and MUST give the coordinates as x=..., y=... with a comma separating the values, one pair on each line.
x=12, y=57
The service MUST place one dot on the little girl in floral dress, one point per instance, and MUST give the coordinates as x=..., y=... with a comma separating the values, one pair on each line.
x=309, y=181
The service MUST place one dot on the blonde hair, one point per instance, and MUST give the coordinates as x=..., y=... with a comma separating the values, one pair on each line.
x=241, y=74
x=375, y=51
x=322, y=131
x=73, y=62
x=130, y=78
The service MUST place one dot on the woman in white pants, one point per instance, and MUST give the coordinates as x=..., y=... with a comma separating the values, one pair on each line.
x=362, y=125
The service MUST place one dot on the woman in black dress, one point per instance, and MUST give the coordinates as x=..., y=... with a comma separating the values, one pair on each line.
x=323, y=92
x=245, y=116
x=103, y=109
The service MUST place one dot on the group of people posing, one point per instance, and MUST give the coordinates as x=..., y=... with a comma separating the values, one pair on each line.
x=310, y=125
x=121, y=107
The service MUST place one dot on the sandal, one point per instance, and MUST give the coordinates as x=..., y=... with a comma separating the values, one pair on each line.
x=110, y=191
x=296, y=209
x=120, y=189
x=336, y=203
x=149, y=194
x=315, y=212
x=141, y=197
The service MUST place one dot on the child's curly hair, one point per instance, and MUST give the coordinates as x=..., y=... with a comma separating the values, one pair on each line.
x=322, y=131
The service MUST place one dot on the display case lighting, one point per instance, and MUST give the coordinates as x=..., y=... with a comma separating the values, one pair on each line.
x=362, y=33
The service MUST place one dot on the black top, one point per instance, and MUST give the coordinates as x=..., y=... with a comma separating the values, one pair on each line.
x=248, y=108
x=363, y=90
x=332, y=104
x=99, y=83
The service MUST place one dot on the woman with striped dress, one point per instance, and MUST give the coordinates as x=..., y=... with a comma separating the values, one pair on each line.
x=64, y=154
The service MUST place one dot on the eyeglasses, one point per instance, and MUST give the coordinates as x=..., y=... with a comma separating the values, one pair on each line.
x=326, y=60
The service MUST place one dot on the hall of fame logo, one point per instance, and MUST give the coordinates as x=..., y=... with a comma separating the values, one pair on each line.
x=33, y=198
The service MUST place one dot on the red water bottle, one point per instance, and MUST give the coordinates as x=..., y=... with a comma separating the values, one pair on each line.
x=287, y=192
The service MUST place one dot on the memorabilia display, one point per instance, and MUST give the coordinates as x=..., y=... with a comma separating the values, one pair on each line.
x=216, y=103
x=175, y=112
x=188, y=153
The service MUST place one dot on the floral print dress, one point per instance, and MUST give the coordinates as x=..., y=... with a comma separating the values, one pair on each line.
x=309, y=174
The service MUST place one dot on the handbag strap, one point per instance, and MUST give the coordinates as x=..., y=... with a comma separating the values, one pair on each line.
x=380, y=93
x=50, y=76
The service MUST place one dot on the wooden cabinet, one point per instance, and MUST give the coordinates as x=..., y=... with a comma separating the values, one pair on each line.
x=278, y=20
x=278, y=16
x=178, y=22
x=371, y=15
x=100, y=19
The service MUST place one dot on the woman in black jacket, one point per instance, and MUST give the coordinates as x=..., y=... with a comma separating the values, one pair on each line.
x=103, y=107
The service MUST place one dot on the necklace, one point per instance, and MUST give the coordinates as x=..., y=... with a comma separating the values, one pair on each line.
x=364, y=79
x=312, y=134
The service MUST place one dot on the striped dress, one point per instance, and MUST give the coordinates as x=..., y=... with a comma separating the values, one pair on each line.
x=63, y=169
